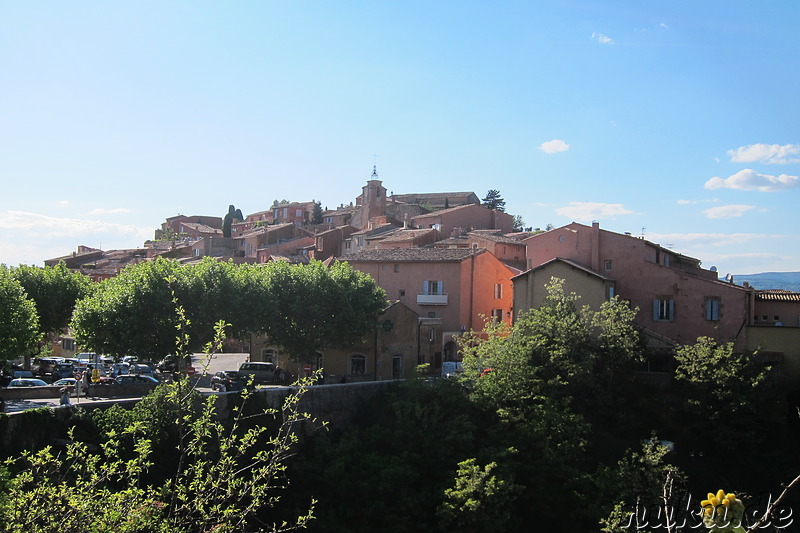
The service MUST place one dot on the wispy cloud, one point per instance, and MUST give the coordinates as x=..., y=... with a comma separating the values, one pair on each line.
x=588, y=211
x=766, y=153
x=750, y=180
x=702, y=240
x=602, y=39
x=105, y=211
x=727, y=211
x=553, y=147
x=49, y=227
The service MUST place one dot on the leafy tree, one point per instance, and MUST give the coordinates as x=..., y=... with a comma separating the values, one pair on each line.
x=54, y=290
x=620, y=346
x=19, y=322
x=132, y=313
x=480, y=500
x=312, y=307
x=233, y=215
x=519, y=223
x=493, y=200
x=316, y=215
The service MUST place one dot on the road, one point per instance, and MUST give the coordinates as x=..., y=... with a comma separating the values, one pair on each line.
x=204, y=366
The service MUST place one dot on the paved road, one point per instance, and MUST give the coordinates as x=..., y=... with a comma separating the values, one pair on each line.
x=205, y=369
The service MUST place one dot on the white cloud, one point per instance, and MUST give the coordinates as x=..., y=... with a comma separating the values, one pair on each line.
x=588, y=211
x=63, y=202
x=663, y=26
x=104, y=211
x=727, y=211
x=602, y=39
x=750, y=180
x=553, y=147
x=687, y=202
x=766, y=153
x=704, y=240
x=30, y=238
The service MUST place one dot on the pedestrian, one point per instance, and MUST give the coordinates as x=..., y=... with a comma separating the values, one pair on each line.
x=79, y=385
x=85, y=380
x=65, y=396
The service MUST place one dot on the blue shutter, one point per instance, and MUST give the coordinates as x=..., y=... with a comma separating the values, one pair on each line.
x=425, y=287
x=656, y=310
x=671, y=310
x=439, y=287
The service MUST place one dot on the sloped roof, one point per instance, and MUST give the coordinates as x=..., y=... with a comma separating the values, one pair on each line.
x=496, y=237
x=416, y=255
x=442, y=211
x=405, y=235
x=569, y=262
x=777, y=295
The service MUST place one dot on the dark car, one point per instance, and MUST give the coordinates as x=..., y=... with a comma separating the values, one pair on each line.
x=262, y=372
x=62, y=370
x=170, y=363
x=227, y=380
x=133, y=379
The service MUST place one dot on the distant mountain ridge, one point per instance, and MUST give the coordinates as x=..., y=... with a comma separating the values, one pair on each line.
x=789, y=281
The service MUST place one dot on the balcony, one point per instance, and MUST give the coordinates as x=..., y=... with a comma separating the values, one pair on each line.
x=431, y=299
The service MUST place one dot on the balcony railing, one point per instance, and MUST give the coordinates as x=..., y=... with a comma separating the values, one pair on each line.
x=431, y=299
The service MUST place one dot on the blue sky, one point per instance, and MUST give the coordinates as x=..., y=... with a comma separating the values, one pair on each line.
x=676, y=120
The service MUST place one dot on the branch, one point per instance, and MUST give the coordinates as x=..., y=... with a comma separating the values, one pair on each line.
x=774, y=504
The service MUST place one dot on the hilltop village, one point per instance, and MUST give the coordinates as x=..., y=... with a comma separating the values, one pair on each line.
x=449, y=263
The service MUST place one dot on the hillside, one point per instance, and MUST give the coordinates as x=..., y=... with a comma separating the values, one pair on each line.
x=789, y=281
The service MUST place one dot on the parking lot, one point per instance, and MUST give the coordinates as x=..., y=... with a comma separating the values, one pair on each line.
x=204, y=366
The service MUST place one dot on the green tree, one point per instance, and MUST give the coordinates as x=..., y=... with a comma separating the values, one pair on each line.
x=316, y=215
x=519, y=223
x=19, y=322
x=233, y=215
x=54, y=290
x=132, y=313
x=312, y=307
x=480, y=499
x=493, y=200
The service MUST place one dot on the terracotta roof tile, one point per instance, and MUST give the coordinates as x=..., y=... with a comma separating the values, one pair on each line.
x=400, y=255
x=778, y=295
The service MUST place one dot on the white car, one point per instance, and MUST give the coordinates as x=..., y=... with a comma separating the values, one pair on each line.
x=27, y=382
x=66, y=382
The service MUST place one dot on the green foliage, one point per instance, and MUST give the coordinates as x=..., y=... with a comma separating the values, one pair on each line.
x=312, y=307
x=132, y=313
x=493, y=200
x=480, y=500
x=54, y=290
x=233, y=215
x=19, y=322
x=304, y=308
x=220, y=478
x=639, y=481
x=715, y=373
x=316, y=215
x=519, y=223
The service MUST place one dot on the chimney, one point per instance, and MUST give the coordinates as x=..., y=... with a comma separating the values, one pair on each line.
x=595, y=250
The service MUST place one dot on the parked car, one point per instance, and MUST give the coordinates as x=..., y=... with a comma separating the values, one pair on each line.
x=170, y=363
x=451, y=369
x=261, y=372
x=43, y=366
x=27, y=382
x=62, y=370
x=66, y=382
x=133, y=379
x=141, y=369
x=227, y=380
x=119, y=369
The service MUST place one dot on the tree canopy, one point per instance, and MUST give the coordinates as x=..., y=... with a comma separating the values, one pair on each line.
x=233, y=215
x=19, y=322
x=493, y=200
x=303, y=308
x=54, y=290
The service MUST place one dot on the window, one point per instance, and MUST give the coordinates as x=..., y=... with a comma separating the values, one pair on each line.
x=432, y=287
x=396, y=267
x=664, y=309
x=609, y=292
x=431, y=314
x=607, y=264
x=712, y=309
x=498, y=290
x=497, y=315
x=666, y=260
x=402, y=292
x=358, y=365
x=298, y=213
x=431, y=335
x=397, y=366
